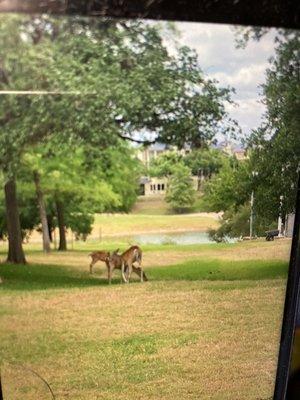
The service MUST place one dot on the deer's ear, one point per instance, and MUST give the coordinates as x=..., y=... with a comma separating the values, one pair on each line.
x=117, y=251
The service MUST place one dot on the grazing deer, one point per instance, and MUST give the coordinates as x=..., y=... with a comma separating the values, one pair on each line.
x=125, y=262
x=116, y=263
x=98, y=256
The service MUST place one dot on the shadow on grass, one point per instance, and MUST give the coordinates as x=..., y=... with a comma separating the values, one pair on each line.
x=40, y=277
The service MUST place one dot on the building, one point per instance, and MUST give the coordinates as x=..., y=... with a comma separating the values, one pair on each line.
x=149, y=153
x=232, y=150
x=155, y=186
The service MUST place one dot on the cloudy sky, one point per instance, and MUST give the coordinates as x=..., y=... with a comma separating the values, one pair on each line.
x=243, y=69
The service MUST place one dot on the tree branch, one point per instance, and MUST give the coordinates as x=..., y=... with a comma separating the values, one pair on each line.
x=145, y=142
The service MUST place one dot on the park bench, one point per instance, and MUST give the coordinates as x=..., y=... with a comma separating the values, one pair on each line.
x=270, y=235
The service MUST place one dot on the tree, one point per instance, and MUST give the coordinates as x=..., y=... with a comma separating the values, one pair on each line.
x=230, y=188
x=204, y=163
x=275, y=146
x=119, y=167
x=112, y=79
x=75, y=190
x=164, y=164
x=235, y=223
x=273, y=149
x=180, y=192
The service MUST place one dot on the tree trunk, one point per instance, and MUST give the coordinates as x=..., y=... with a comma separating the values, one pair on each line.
x=50, y=227
x=61, y=226
x=42, y=210
x=15, y=250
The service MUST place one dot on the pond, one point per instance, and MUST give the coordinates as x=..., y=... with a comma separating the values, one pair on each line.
x=193, y=237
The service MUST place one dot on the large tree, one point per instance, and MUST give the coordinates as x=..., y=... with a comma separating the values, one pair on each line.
x=105, y=80
x=181, y=194
x=274, y=147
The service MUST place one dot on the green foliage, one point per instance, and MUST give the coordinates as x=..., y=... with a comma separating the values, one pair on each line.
x=274, y=149
x=164, y=164
x=121, y=170
x=120, y=79
x=80, y=223
x=230, y=188
x=275, y=146
x=180, y=192
x=236, y=223
x=112, y=79
x=69, y=180
x=208, y=161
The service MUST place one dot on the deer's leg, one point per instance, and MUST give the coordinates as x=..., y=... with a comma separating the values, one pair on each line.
x=129, y=271
x=91, y=265
x=136, y=270
x=141, y=274
x=123, y=273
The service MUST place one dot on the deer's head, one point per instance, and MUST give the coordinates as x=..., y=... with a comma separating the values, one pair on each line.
x=114, y=259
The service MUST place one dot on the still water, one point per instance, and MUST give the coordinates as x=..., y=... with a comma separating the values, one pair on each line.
x=173, y=238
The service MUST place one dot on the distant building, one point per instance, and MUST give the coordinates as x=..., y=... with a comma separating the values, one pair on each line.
x=149, y=153
x=158, y=186
x=232, y=150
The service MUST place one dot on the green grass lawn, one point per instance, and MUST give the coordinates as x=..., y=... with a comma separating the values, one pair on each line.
x=205, y=327
x=41, y=277
x=156, y=205
x=130, y=224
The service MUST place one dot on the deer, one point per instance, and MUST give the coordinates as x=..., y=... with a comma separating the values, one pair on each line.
x=125, y=262
x=98, y=256
x=116, y=263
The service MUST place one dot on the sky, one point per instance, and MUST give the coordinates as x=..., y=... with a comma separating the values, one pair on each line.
x=243, y=69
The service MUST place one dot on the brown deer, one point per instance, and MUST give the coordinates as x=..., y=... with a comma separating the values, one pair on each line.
x=117, y=262
x=98, y=256
x=125, y=262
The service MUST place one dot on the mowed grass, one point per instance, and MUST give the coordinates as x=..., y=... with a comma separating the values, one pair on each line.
x=130, y=224
x=151, y=205
x=201, y=328
x=156, y=205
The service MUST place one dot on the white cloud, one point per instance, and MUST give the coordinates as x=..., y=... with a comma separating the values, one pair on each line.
x=243, y=69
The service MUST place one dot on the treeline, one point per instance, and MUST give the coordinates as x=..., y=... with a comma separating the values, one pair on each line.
x=271, y=171
x=179, y=168
x=87, y=86
x=64, y=186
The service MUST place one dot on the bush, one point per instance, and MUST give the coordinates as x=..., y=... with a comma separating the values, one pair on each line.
x=180, y=193
x=237, y=224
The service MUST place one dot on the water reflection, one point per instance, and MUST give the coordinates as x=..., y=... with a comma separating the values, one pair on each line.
x=177, y=238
